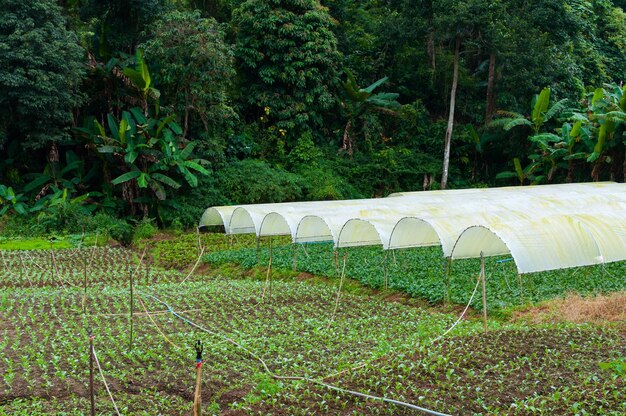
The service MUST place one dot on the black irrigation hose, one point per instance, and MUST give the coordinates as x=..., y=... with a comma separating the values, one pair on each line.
x=310, y=380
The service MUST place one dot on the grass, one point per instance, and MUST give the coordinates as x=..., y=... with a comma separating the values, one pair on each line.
x=380, y=342
x=578, y=309
x=54, y=242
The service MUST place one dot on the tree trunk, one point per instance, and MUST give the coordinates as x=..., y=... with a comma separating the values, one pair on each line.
x=490, y=106
x=455, y=80
x=347, y=140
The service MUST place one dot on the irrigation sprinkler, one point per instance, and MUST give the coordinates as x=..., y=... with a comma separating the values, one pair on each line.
x=197, y=398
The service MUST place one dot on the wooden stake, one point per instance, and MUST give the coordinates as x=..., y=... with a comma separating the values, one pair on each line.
x=197, y=398
x=91, y=394
x=521, y=287
x=482, y=276
x=343, y=273
x=295, y=257
x=267, y=278
x=131, y=308
x=446, y=282
x=385, y=270
x=257, y=249
x=84, y=284
x=270, y=258
x=198, y=243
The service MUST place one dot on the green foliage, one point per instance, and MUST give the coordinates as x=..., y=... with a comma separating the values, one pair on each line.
x=194, y=69
x=591, y=131
x=618, y=367
x=359, y=101
x=288, y=58
x=145, y=228
x=420, y=272
x=254, y=181
x=145, y=152
x=117, y=24
x=41, y=70
x=34, y=244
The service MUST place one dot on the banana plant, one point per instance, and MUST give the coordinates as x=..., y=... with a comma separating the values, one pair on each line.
x=147, y=151
x=599, y=127
x=12, y=202
x=357, y=101
x=141, y=79
x=541, y=113
x=548, y=148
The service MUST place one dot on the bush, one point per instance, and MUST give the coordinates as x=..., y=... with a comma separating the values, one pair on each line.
x=255, y=181
x=145, y=229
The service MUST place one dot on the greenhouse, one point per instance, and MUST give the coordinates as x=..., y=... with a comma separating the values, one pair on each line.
x=542, y=227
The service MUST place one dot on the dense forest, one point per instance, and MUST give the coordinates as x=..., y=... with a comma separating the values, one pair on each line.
x=115, y=110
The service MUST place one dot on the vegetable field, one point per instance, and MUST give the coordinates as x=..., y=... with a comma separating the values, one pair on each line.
x=259, y=328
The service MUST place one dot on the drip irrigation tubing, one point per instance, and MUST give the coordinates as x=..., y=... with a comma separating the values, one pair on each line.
x=462, y=314
x=105, y=382
x=295, y=378
x=193, y=269
x=432, y=342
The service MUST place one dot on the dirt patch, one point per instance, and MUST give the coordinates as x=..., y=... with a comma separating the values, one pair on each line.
x=578, y=309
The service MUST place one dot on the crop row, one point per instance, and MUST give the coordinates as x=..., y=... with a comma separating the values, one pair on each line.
x=421, y=272
x=88, y=267
x=43, y=339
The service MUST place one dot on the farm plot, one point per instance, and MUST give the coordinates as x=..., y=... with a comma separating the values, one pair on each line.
x=369, y=345
x=421, y=273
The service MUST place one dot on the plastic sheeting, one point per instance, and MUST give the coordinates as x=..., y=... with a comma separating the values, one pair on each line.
x=542, y=227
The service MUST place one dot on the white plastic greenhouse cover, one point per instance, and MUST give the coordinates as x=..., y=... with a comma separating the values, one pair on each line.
x=542, y=227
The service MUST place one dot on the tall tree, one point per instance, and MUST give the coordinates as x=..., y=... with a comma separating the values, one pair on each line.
x=41, y=68
x=194, y=69
x=288, y=57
